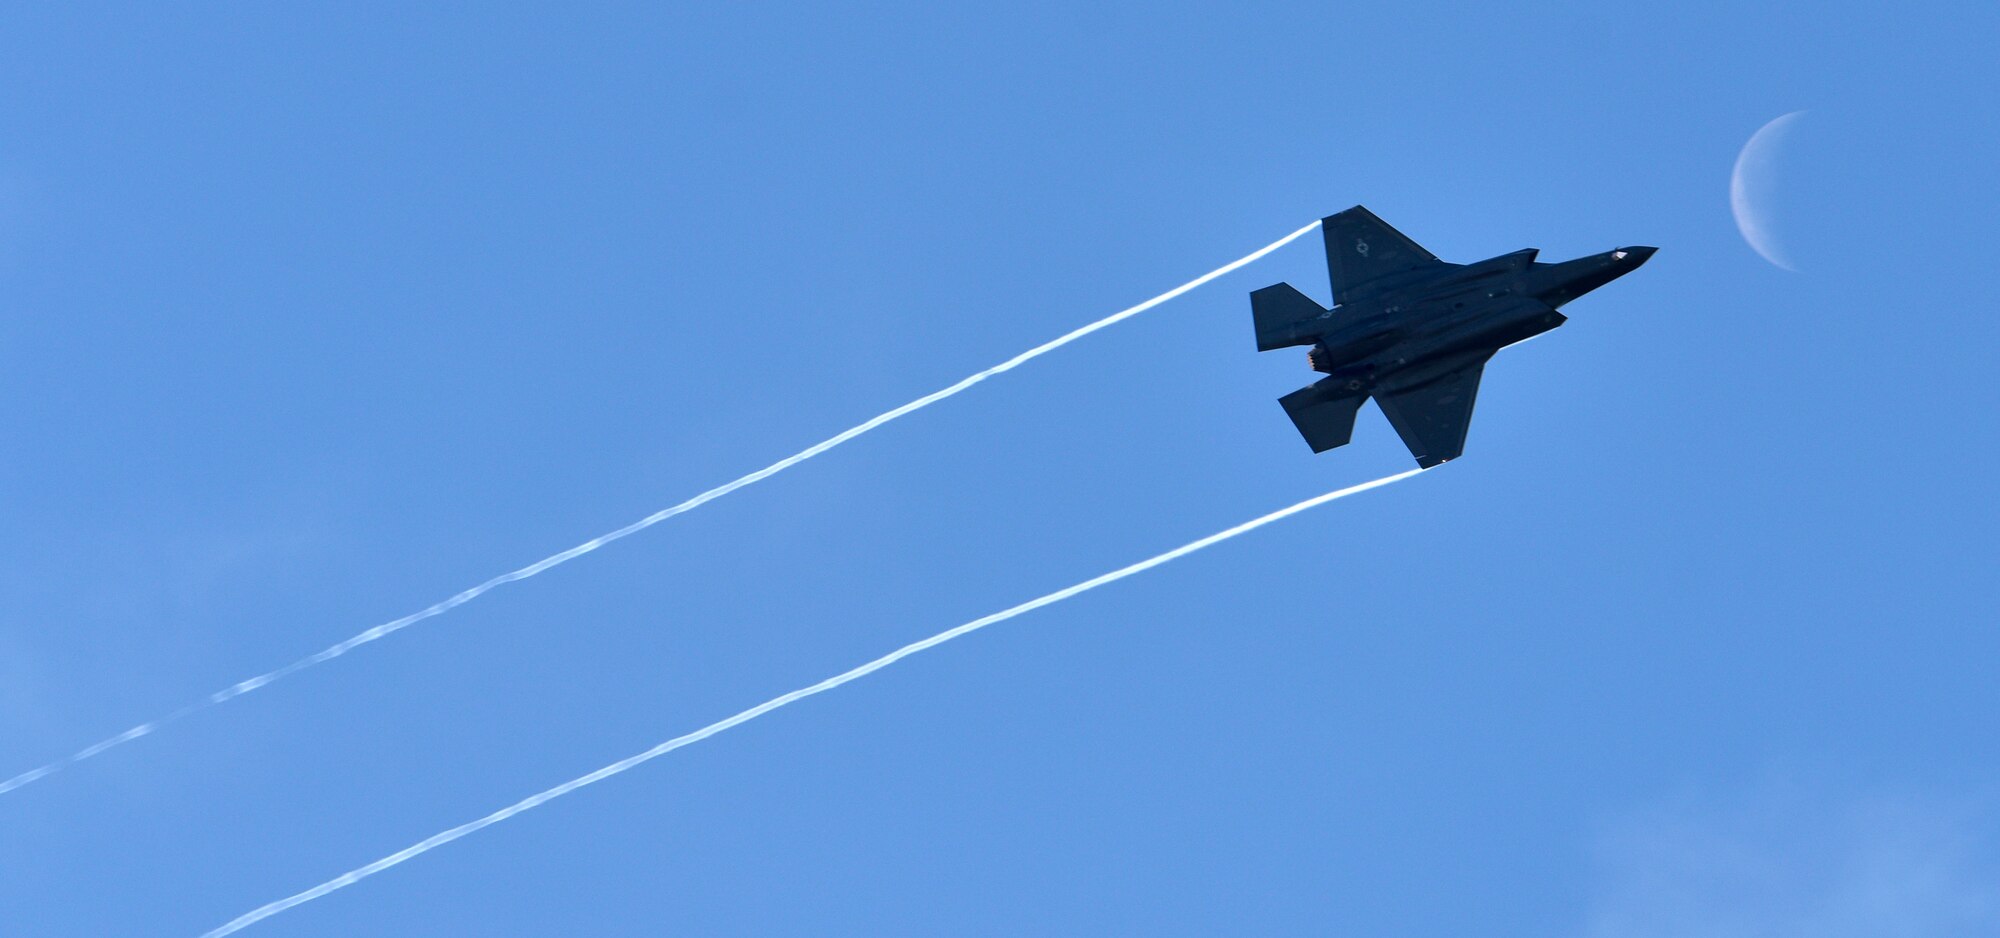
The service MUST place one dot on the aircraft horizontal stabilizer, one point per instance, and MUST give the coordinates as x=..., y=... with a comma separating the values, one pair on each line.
x=1278, y=311
x=1324, y=413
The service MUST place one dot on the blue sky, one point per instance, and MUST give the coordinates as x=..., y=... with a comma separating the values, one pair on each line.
x=311, y=319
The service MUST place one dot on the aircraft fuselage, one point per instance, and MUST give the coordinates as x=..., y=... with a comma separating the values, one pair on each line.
x=1457, y=312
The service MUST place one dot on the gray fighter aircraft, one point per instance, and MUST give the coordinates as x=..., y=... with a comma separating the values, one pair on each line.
x=1413, y=331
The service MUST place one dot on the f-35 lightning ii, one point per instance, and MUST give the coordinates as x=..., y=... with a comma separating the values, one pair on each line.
x=1413, y=331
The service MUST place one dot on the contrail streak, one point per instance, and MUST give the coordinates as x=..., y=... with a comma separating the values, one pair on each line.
x=438, y=840
x=390, y=628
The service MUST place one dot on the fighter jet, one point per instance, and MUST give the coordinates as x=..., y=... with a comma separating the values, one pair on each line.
x=1412, y=331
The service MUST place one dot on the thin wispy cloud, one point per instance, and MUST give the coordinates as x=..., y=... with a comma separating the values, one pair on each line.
x=631, y=762
x=1788, y=861
x=387, y=629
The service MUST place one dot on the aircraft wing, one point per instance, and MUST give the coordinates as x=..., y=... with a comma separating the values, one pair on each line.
x=1361, y=247
x=1432, y=416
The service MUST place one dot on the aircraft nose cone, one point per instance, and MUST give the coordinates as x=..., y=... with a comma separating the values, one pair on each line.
x=1633, y=256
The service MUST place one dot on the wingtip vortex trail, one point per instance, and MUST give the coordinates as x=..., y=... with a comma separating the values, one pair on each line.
x=387, y=629
x=630, y=762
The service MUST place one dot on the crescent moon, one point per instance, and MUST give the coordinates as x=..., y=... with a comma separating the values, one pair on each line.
x=1751, y=184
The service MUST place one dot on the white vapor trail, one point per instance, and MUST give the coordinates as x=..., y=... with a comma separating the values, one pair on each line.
x=389, y=628
x=438, y=840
